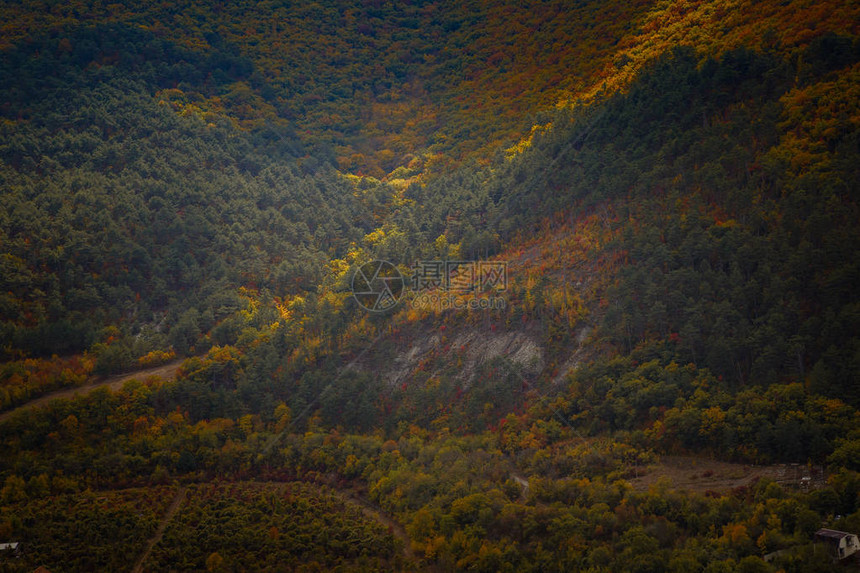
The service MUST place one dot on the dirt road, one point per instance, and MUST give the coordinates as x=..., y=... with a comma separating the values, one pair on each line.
x=165, y=371
x=378, y=514
x=159, y=532
x=702, y=475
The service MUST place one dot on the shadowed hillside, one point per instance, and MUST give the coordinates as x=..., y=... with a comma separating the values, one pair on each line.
x=665, y=195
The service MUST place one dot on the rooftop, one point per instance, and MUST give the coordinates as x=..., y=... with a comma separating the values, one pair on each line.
x=832, y=533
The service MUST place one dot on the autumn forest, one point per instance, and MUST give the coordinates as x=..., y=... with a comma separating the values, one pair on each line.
x=665, y=375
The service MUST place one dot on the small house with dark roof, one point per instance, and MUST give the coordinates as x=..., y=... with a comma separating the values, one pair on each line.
x=840, y=544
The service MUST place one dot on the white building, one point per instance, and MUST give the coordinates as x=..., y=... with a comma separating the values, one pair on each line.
x=12, y=548
x=839, y=543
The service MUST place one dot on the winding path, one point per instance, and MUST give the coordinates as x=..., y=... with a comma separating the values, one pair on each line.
x=165, y=371
x=376, y=513
x=159, y=532
x=369, y=509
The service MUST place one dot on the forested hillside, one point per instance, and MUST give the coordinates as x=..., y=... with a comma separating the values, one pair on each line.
x=117, y=209
x=671, y=187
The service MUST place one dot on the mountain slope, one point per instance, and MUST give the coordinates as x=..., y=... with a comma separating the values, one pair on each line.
x=681, y=247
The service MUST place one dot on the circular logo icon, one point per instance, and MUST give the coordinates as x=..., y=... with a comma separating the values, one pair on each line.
x=377, y=286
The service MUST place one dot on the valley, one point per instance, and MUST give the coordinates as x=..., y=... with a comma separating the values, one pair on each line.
x=660, y=198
